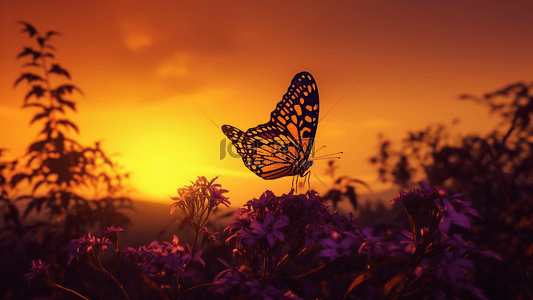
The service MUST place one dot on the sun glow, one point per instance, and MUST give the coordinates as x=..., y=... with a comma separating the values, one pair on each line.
x=160, y=80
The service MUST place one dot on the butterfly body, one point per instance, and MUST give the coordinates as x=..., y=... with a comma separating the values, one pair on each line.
x=282, y=146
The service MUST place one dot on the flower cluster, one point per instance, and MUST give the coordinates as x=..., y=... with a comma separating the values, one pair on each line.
x=163, y=259
x=38, y=269
x=280, y=242
x=441, y=259
x=270, y=223
x=274, y=230
x=91, y=249
x=198, y=200
x=269, y=233
x=88, y=247
x=242, y=281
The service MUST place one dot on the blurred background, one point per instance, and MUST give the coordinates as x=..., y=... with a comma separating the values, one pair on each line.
x=158, y=77
x=159, y=80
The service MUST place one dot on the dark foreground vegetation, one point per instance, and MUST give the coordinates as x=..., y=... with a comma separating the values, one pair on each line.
x=464, y=232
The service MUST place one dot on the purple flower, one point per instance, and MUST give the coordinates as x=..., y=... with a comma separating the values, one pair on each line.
x=266, y=198
x=110, y=231
x=315, y=235
x=406, y=241
x=453, y=269
x=215, y=193
x=270, y=228
x=336, y=247
x=411, y=199
x=424, y=267
x=38, y=268
x=231, y=277
x=85, y=245
x=160, y=259
x=213, y=190
x=464, y=247
x=198, y=200
x=194, y=257
x=130, y=252
x=372, y=245
x=208, y=235
x=450, y=216
x=451, y=209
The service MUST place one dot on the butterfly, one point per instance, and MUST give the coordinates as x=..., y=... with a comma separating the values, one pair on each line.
x=282, y=146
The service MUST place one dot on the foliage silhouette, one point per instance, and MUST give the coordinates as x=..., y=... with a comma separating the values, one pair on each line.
x=495, y=172
x=278, y=247
x=67, y=188
x=344, y=188
x=290, y=247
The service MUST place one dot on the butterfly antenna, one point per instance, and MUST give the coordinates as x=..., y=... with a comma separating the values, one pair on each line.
x=322, y=182
x=345, y=95
x=328, y=156
x=198, y=107
x=320, y=149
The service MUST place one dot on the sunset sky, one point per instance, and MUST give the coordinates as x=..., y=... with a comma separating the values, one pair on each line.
x=158, y=76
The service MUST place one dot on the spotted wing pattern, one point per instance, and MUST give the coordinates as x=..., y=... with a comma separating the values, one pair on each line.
x=282, y=146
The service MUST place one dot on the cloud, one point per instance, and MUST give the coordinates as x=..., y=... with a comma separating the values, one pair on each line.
x=178, y=66
x=138, y=41
x=136, y=36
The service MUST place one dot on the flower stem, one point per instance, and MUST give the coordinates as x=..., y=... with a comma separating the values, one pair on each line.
x=119, y=285
x=68, y=290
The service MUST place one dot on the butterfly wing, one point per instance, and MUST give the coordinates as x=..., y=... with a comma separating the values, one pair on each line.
x=262, y=151
x=274, y=152
x=281, y=147
x=236, y=137
x=298, y=111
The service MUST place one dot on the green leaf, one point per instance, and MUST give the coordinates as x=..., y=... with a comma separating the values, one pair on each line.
x=64, y=88
x=68, y=103
x=18, y=178
x=363, y=277
x=58, y=70
x=33, y=157
x=393, y=283
x=67, y=123
x=41, y=41
x=51, y=33
x=37, y=90
x=47, y=128
x=30, y=29
x=40, y=116
x=29, y=77
x=38, y=184
x=12, y=215
x=37, y=146
x=36, y=203
x=29, y=51
x=34, y=104
x=57, y=108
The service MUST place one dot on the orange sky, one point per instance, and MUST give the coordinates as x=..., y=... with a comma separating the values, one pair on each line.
x=142, y=65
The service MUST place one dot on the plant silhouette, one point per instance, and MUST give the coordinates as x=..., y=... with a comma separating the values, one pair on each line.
x=288, y=246
x=67, y=188
x=495, y=172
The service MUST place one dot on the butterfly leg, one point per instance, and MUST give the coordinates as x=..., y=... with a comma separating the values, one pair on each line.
x=307, y=177
x=292, y=186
